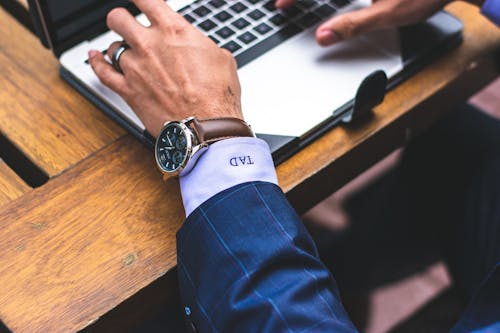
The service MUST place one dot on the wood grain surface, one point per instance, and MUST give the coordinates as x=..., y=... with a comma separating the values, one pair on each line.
x=104, y=229
x=337, y=157
x=11, y=186
x=53, y=125
x=86, y=241
x=20, y=10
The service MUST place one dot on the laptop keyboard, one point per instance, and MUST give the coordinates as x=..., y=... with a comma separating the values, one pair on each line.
x=249, y=28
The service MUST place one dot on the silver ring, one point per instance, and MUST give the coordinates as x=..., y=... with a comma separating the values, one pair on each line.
x=117, y=53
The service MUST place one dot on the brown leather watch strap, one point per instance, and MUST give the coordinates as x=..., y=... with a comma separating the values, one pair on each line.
x=211, y=130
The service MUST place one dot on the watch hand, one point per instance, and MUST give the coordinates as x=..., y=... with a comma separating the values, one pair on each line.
x=169, y=141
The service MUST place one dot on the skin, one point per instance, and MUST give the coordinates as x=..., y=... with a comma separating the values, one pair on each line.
x=382, y=14
x=172, y=71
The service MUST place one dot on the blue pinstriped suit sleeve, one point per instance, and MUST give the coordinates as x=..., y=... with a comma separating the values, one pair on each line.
x=491, y=9
x=247, y=264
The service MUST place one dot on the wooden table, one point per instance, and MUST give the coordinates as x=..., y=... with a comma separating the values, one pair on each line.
x=96, y=238
x=11, y=186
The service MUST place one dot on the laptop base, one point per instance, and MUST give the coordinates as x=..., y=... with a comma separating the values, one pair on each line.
x=442, y=33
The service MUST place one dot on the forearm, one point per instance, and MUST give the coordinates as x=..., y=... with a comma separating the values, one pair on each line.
x=247, y=264
x=243, y=254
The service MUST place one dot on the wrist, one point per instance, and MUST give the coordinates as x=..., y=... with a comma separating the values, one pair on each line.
x=221, y=111
x=180, y=143
x=225, y=164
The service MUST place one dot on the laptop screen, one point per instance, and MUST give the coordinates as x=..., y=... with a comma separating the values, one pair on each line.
x=66, y=23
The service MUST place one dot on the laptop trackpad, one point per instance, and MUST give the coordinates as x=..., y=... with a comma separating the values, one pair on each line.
x=297, y=85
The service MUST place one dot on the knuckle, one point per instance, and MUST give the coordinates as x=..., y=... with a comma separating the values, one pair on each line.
x=231, y=60
x=132, y=71
x=168, y=29
x=174, y=20
x=147, y=50
x=189, y=92
x=123, y=91
x=228, y=56
x=179, y=28
x=145, y=47
x=176, y=25
x=174, y=28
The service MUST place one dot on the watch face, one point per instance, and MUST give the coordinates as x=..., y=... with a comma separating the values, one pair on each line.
x=172, y=147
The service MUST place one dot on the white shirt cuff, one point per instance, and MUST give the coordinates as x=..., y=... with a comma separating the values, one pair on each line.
x=225, y=164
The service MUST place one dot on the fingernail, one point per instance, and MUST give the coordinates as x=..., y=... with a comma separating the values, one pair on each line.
x=327, y=37
x=278, y=3
x=92, y=53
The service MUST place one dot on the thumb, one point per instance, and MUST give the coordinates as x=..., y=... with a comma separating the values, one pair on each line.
x=351, y=24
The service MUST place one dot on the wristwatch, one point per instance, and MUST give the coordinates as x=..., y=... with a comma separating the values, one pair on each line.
x=181, y=143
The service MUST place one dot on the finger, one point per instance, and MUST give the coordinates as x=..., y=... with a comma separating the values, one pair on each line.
x=123, y=23
x=106, y=73
x=157, y=11
x=351, y=24
x=112, y=48
x=124, y=57
x=284, y=3
x=382, y=14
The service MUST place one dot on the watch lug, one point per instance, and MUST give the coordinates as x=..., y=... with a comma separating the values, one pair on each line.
x=166, y=123
x=195, y=155
x=187, y=120
x=198, y=148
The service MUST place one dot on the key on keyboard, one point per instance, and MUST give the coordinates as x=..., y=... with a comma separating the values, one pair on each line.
x=249, y=28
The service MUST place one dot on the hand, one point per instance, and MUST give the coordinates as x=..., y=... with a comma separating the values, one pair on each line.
x=382, y=14
x=171, y=70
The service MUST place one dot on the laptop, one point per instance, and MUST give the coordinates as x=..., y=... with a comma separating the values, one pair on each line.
x=292, y=89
